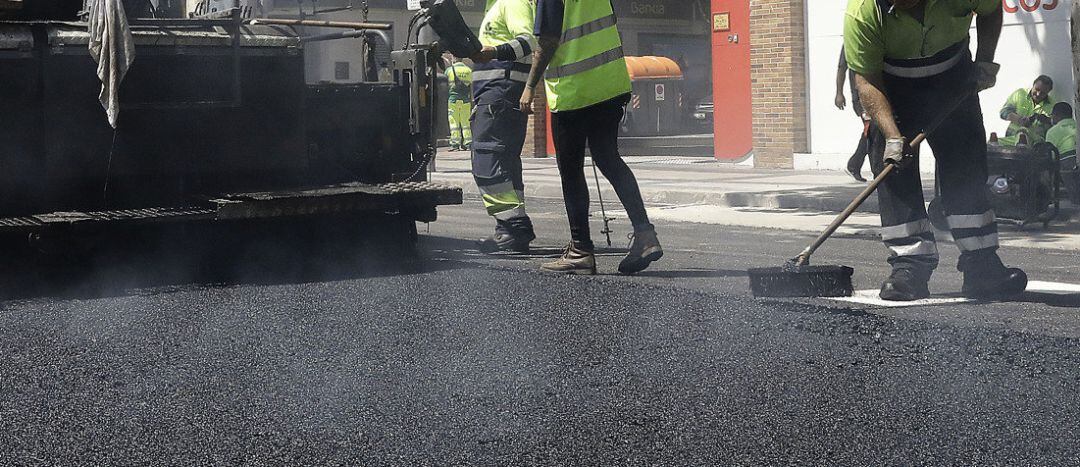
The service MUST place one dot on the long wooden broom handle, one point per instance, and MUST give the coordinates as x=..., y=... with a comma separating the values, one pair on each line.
x=804, y=257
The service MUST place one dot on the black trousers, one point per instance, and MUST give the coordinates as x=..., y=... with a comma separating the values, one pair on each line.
x=959, y=145
x=596, y=128
x=855, y=162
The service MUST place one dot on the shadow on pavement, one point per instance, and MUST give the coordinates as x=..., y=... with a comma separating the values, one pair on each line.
x=87, y=265
x=469, y=248
x=1051, y=299
x=692, y=273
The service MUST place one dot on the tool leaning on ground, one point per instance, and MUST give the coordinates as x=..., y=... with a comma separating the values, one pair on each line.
x=797, y=278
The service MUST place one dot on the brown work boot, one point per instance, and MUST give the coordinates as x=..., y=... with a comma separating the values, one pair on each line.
x=644, y=249
x=572, y=261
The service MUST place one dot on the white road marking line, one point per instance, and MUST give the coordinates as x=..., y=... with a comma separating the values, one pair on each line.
x=870, y=297
x=1056, y=288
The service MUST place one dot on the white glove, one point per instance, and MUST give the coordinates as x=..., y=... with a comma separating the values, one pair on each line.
x=894, y=150
x=986, y=75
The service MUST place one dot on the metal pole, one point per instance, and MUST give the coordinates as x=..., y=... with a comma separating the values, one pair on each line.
x=323, y=24
x=600, y=196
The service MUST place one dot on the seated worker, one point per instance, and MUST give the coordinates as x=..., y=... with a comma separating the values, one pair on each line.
x=1063, y=137
x=1028, y=112
x=1063, y=134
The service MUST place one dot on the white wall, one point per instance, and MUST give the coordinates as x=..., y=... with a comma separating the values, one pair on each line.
x=1032, y=43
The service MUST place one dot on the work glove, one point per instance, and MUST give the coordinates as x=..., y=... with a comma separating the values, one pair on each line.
x=986, y=75
x=894, y=152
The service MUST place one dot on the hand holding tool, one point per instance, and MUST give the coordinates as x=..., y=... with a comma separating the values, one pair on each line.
x=797, y=278
x=894, y=151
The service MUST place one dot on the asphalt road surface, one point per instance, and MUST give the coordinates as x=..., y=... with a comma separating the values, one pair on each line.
x=309, y=350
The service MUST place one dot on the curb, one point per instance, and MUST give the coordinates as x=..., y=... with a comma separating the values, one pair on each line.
x=765, y=200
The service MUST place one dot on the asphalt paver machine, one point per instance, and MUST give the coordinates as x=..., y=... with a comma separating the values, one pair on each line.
x=217, y=123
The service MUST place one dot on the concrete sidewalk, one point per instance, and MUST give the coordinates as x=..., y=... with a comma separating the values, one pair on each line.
x=681, y=180
x=699, y=189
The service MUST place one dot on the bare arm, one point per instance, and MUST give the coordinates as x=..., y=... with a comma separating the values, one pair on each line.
x=841, y=78
x=871, y=91
x=542, y=56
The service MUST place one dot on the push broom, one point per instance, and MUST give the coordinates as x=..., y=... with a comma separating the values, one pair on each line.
x=797, y=278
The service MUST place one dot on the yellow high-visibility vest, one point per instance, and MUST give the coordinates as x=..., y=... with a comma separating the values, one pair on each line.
x=589, y=67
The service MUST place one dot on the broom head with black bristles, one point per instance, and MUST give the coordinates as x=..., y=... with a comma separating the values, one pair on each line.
x=794, y=280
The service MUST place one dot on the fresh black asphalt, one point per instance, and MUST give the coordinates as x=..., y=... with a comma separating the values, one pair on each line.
x=464, y=360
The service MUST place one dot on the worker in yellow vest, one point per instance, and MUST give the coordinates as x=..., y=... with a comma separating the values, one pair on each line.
x=1028, y=112
x=1063, y=134
x=459, y=77
x=588, y=87
x=499, y=126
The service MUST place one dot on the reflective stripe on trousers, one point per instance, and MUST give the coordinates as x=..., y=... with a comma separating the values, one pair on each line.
x=959, y=145
x=913, y=238
x=498, y=138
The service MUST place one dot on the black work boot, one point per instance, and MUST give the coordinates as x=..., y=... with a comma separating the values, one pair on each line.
x=574, y=260
x=905, y=285
x=501, y=241
x=644, y=249
x=989, y=278
x=513, y=236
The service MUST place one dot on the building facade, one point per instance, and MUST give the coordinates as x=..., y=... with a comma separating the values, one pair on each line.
x=1034, y=41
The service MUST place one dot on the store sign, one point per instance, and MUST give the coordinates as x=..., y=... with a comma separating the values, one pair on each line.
x=654, y=9
x=721, y=22
x=1036, y=11
x=471, y=5
x=1013, y=6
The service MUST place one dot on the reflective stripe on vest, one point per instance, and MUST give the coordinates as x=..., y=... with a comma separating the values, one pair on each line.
x=930, y=66
x=585, y=65
x=588, y=28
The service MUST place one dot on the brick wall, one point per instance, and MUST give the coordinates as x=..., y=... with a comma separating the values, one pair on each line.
x=536, y=135
x=778, y=81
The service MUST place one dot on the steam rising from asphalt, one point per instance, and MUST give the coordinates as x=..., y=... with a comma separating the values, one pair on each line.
x=135, y=261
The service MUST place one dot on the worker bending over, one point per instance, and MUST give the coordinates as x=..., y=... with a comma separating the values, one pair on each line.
x=588, y=87
x=459, y=76
x=1028, y=112
x=912, y=63
x=498, y=124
